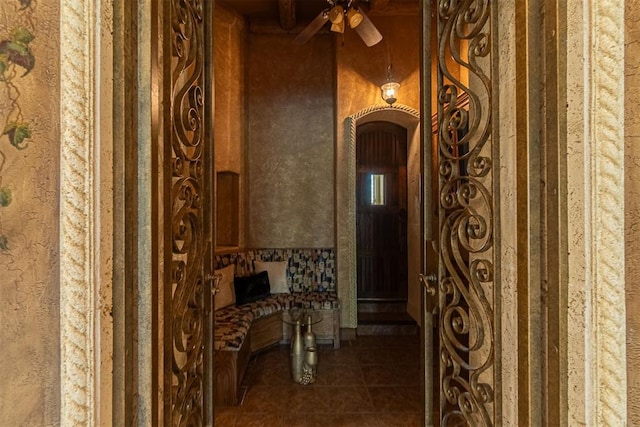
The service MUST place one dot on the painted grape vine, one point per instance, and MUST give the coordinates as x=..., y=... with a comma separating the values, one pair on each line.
x=16, y=62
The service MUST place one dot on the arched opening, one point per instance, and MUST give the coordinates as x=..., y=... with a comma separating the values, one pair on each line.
x=410, y=119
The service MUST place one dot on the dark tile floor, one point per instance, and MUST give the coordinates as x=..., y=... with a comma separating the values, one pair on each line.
x=373, y=381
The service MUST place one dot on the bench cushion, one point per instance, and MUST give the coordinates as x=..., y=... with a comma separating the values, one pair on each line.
x=269, y=305
x=232, y=323
x=277, y=272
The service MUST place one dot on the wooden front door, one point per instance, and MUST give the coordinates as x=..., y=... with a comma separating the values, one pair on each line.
x=381, y=224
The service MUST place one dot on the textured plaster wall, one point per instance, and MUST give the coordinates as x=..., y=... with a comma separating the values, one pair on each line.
x=362, y=69
x=229, y=77
x=578, y=289
x=505, y=135
x=229, y=137
x=107, y=202
x=29, y=288
x=632, y=205
x=596, y=382
x=290, y=134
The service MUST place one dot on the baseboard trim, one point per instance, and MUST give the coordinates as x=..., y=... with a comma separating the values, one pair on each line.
x=347, y=334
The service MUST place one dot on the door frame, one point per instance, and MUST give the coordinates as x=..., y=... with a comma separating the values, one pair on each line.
x=86, y=323
x=346, y=253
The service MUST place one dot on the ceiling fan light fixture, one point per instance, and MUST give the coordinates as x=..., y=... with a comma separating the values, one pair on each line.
x=338, y=27
x=336, y=14
x=354, y=17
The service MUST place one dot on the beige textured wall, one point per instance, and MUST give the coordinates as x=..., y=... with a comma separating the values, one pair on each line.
x=505, y=135
x=29, y=288
x=229, y=78
x=578, y=289
x=229, y=136
x=632, y=205
x=290, y=131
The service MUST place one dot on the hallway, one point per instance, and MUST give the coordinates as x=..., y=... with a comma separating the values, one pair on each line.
x=373, y=381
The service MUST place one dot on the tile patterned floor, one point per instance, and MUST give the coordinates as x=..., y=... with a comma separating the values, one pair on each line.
x=373, y=381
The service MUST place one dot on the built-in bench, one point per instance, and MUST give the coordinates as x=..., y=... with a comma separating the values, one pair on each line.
x=241, y=330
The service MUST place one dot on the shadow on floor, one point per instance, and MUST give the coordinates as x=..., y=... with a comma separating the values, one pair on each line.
x=373, y=381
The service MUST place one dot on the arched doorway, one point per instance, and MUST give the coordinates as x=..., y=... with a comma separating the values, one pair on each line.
x=381, y=222
x=509, y=404
x=408, y=118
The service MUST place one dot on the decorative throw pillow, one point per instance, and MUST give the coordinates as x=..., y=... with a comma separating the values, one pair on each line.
x=277, y=271
x=251, y=288
x=226, y=295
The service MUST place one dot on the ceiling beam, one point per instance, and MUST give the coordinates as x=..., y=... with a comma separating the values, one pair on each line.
x=287, y=10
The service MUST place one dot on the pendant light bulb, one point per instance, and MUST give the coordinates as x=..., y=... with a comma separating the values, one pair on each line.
x=390, y=88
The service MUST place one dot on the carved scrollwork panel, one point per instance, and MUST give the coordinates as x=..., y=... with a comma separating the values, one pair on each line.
x=465, y=291
x=185, y=307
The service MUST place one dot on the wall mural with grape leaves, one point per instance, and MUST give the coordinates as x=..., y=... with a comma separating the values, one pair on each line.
x=16, y=62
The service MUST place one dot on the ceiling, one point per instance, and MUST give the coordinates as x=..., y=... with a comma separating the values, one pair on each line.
x=289, y=13
x=269, y=9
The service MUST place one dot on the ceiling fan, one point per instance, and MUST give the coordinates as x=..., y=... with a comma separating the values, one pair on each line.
x=341, y=13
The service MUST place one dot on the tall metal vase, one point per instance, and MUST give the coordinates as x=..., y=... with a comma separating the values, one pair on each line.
x=310, y=354
x=297, y=353
x=311, y=361
x=309, y=335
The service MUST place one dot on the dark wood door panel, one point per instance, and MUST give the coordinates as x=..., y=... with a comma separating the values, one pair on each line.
x=381, y=144
x=381, y=230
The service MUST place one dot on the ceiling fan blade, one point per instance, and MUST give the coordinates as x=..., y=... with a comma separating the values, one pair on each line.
x=368, y=32
x=312, y=28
